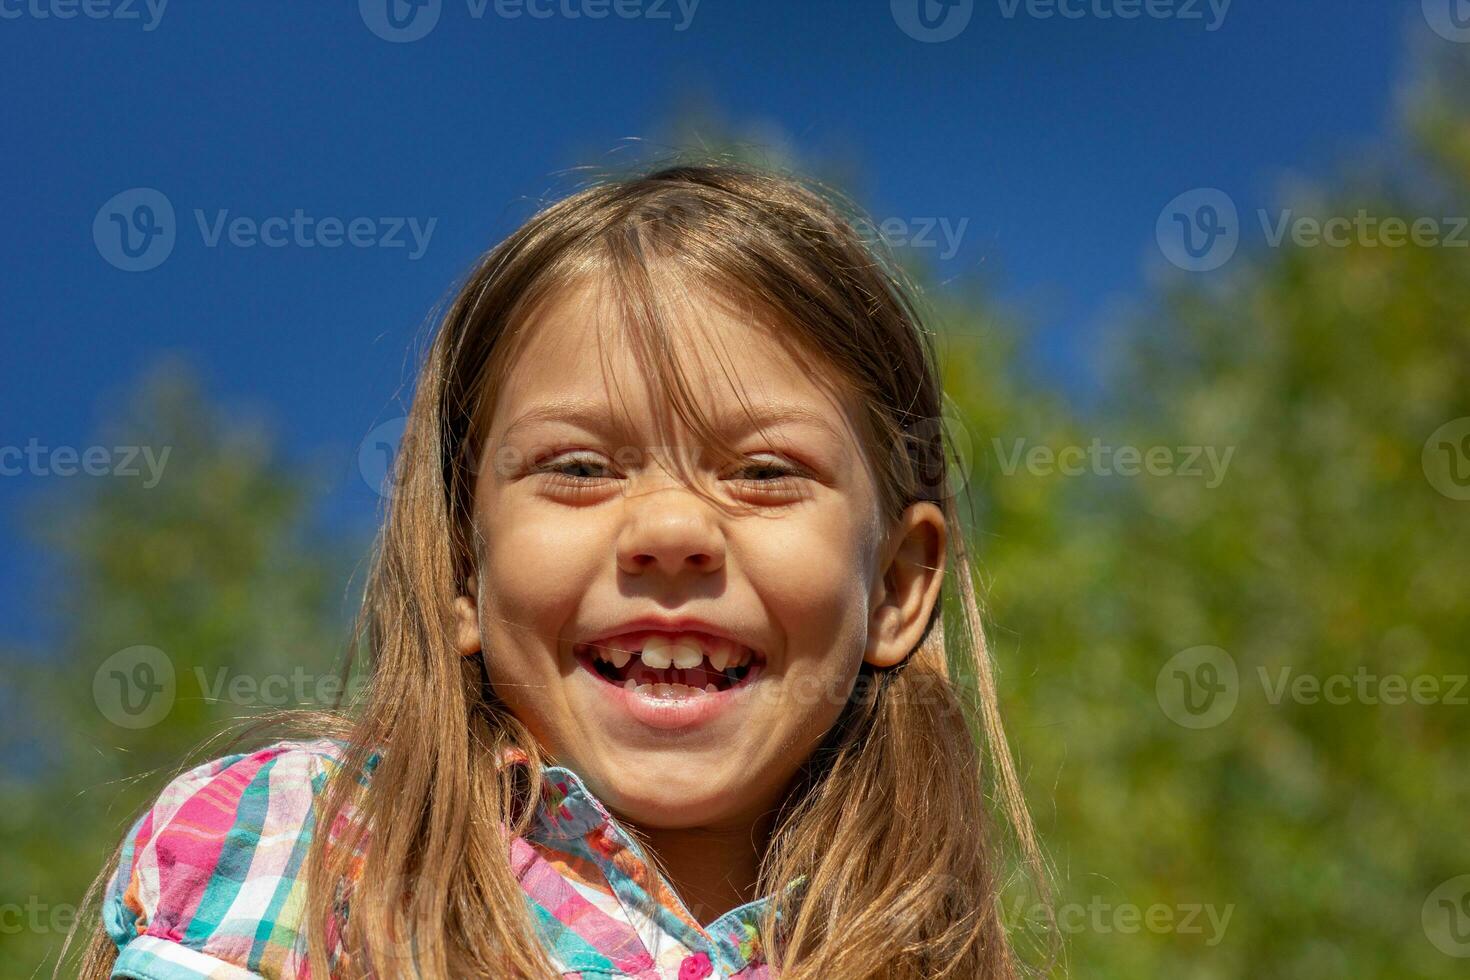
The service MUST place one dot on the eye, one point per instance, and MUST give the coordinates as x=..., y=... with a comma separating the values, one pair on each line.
x=580, y=471
x=768, y=477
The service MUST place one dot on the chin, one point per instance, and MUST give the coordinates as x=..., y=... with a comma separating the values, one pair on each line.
x=672, y=802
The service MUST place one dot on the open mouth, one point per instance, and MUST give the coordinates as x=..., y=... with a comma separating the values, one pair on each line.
x=670, y=665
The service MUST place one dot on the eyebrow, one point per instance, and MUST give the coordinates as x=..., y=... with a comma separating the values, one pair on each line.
x=596, y=417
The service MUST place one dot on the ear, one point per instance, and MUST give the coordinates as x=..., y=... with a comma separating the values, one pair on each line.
x=467, y=619
x=909, y=586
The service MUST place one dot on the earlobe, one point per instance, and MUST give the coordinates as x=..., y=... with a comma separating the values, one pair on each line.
x=467, y=620
x=909, y=584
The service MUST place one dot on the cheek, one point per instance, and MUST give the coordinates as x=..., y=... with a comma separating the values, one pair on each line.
x=813, y=579
x=539, y=568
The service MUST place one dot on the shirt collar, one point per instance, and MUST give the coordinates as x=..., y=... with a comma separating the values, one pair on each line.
x=569, y=812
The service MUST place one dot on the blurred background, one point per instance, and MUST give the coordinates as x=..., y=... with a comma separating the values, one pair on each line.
x=1200, y=273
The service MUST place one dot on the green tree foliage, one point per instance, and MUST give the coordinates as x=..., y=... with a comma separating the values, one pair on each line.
x=215, y=568
x=1321, y=814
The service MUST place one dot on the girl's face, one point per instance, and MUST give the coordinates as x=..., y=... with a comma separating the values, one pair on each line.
x=589, y=546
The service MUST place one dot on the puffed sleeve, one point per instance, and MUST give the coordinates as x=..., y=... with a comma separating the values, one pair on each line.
x=210, y=882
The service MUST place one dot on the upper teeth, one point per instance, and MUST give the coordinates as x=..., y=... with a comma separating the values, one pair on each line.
x=660, y=652
x=683, y=652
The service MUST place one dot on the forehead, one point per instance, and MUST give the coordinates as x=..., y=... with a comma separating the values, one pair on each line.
x=579, y=355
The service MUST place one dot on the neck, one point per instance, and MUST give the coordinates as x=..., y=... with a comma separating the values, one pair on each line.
x=713, y=869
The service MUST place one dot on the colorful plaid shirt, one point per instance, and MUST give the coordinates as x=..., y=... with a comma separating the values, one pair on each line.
x=210, y=882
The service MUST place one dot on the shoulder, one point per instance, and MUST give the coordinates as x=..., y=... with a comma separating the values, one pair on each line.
x=210, y=879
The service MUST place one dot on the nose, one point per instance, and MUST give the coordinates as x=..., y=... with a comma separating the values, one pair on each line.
x=671, y=531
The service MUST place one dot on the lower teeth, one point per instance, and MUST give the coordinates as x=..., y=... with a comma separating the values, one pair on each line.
x=666, y=691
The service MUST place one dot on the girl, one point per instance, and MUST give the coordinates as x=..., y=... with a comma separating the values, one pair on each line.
x=660, y=686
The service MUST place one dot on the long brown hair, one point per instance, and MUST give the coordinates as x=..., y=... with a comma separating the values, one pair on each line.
x=890, y=822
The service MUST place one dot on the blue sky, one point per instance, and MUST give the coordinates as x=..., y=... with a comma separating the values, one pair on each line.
x=1047, y=147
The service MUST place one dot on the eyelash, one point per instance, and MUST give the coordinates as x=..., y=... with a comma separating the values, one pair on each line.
x=786, y=475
